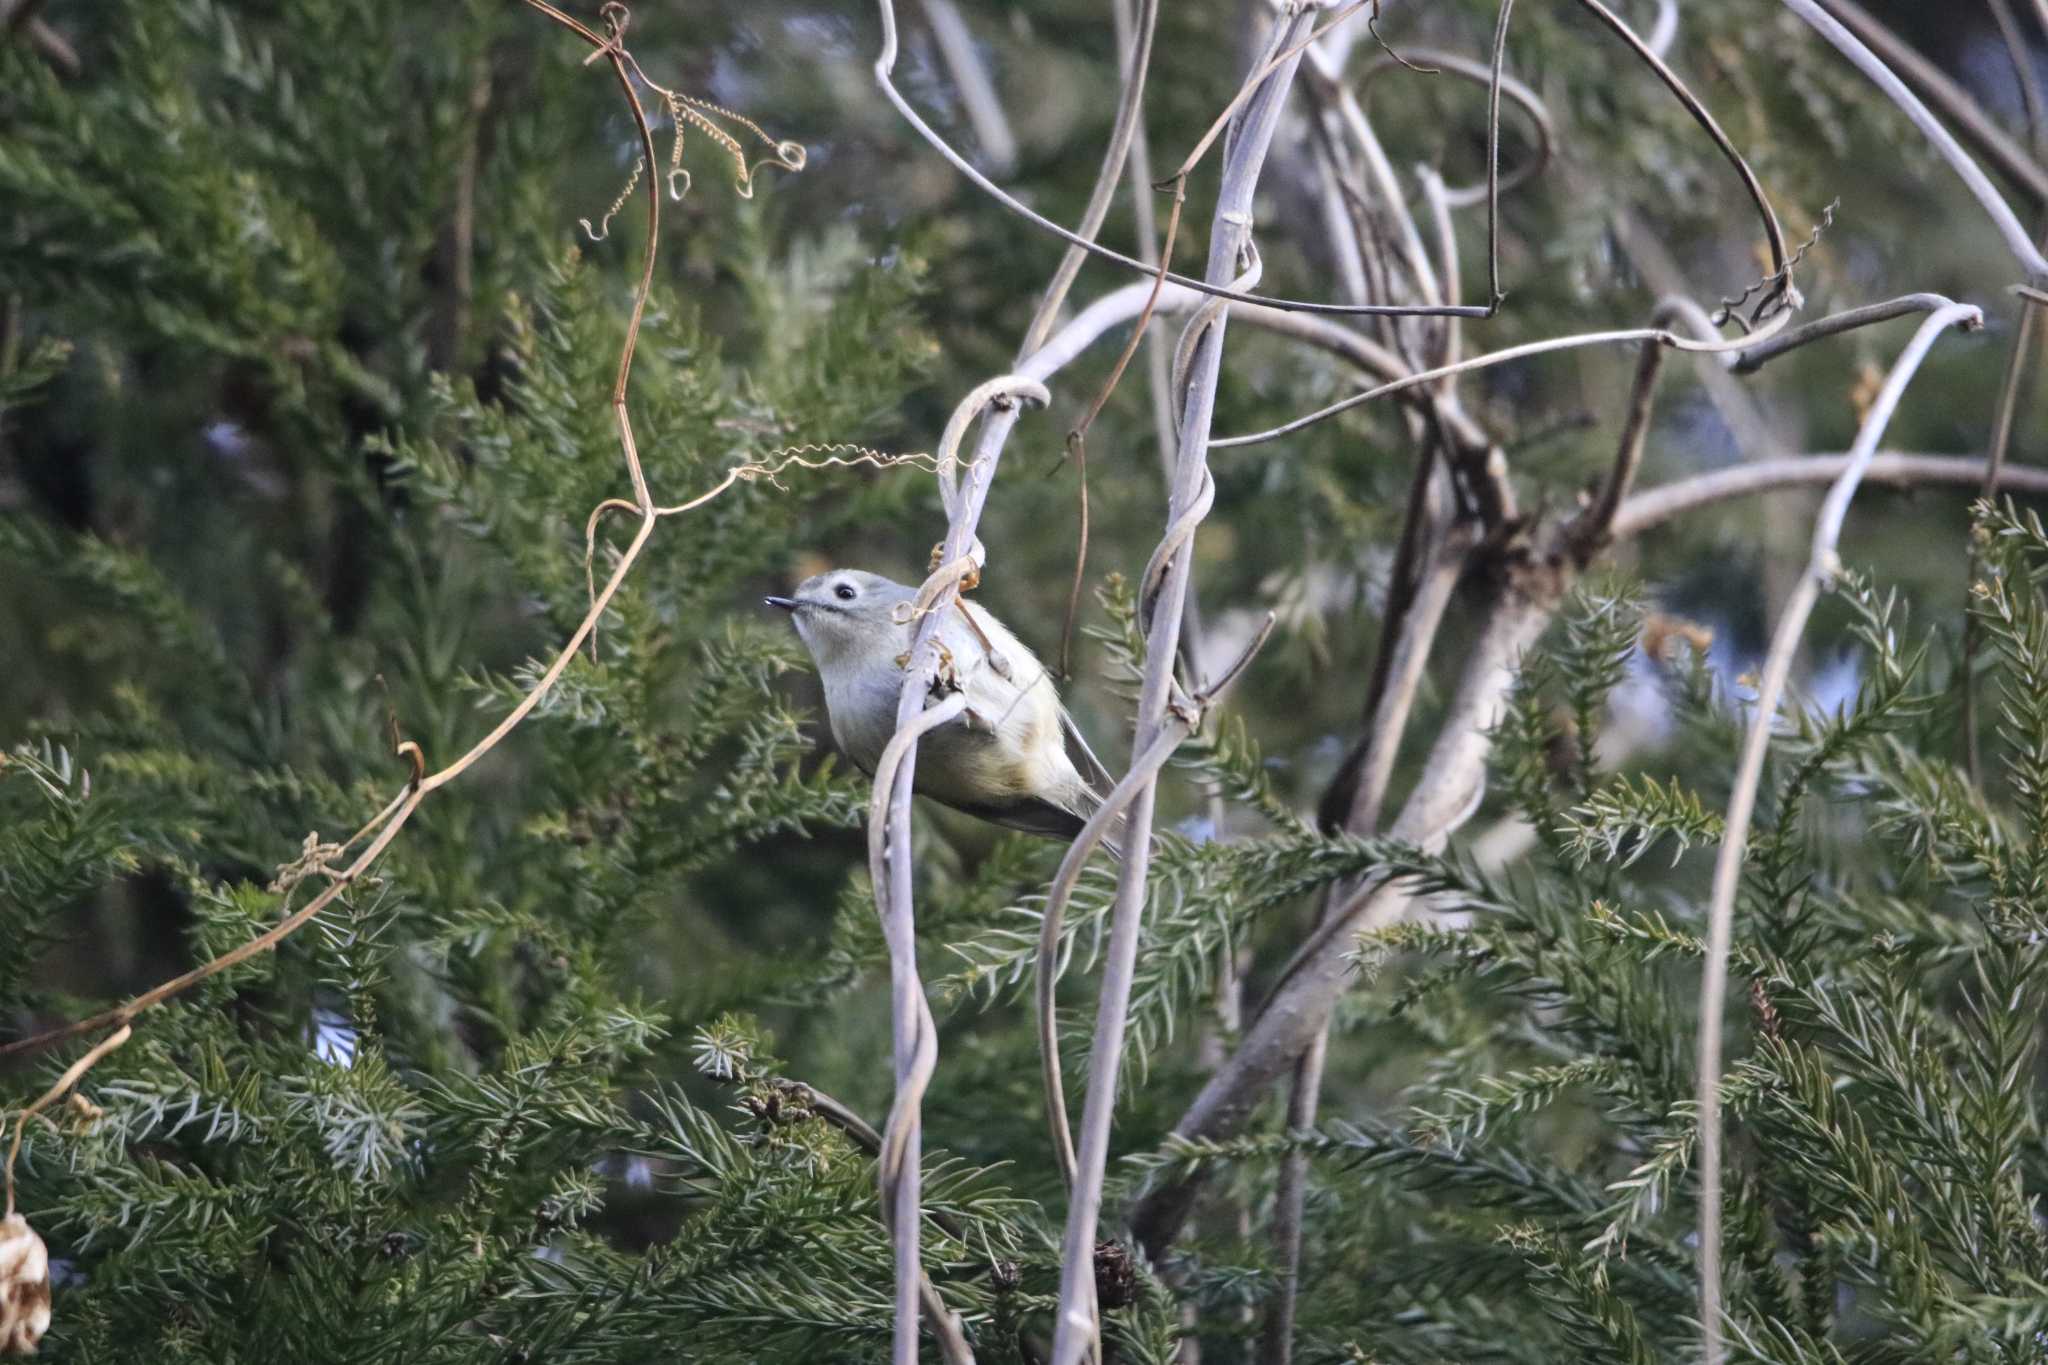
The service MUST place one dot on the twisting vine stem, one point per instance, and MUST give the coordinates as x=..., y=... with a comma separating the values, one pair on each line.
x=1821, y=567
x=385, y=826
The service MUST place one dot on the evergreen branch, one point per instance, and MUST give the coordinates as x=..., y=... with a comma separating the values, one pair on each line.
x=1820, y=568
x=1470, y=1114
x=1621, y=820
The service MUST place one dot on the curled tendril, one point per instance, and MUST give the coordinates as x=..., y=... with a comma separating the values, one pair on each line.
x=604, y=224
x=835, y=454
x=689, y=111
x=1775, y=282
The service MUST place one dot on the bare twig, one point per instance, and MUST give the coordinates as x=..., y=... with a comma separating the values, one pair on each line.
x=1144, y=769
x=1496, y=75
x=18, y=15
x=1955, y=103
x=1325, y=76
x=1764, y=352
x=977, y=91
x=2022, y=57
x=1596, y=522
x=884, y=66
x=1666, y=31
x=1659, y=335
x=458, y=244
x=1655, y=507
x=1164, y=602
x=1525, y=99
x=1423, y=577
x=2017, y=240
x=53, y=46
x=1738, y=407
x=52, y=1095
x=1822, y=566
x=1132, y=65
x=1773, y=234
x=1308, y=987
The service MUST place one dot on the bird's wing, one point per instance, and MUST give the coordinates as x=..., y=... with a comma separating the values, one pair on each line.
x=1031, y=815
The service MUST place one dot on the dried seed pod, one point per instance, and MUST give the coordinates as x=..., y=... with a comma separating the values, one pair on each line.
x=1116, y=1275
x=24, y=1287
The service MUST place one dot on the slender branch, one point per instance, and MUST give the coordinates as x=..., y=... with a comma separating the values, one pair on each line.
x=2022, y=57
x=1413, y=620
x=1956, y=104
x=1739, y=409
x=1771, y=340
x=1597, y=520
x=2017, y=240
x=1230, y=251
x=1133, y=65
x=1764, y=352
x=1822, y=566
x=885, y=65
x=1780, y=268
x=1501, y=357
x=1311, y=983
x=52, y=1095
x=971, y=78
x=1142, y=772
x=1655, y=507
x=1465, y=68
x=1497, y=74
x=1666, y=31
x=1325, y=75
x=18, y=14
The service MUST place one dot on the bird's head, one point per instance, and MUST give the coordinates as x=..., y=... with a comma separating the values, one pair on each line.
x=847, y=613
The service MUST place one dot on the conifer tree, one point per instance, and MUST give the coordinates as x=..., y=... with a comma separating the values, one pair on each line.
x=400, y=416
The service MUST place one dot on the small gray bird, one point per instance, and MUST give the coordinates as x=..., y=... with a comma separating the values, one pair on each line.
x=1004, y=759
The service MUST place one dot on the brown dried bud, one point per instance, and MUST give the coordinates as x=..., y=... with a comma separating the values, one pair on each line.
x=1116, y=1276
x=1662, y=632
x=1767, y=1017
x=24, y=1287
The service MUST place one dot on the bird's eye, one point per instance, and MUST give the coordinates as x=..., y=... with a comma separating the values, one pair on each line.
x=844, y=592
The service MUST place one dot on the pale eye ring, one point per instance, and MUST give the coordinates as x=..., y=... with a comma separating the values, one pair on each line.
x=844, y=592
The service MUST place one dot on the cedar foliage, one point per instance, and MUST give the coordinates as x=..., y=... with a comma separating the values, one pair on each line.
x=279, y=488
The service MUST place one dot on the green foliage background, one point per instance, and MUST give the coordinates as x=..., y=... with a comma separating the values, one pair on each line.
x=273, y=485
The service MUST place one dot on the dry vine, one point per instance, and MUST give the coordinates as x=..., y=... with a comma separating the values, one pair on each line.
x=384, y=827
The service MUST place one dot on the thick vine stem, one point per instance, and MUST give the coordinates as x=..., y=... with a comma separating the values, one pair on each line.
x=1143, y=771
x=1821, y=567
x=998, y=402
x=915, y=1033
x=1075, y=1328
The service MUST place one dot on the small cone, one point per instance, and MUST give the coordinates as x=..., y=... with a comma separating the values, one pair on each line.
x=24, y=1287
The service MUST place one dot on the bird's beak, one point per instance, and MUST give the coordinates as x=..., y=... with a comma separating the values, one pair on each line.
x=786, y=603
